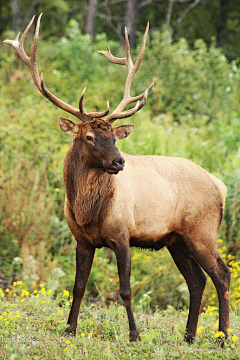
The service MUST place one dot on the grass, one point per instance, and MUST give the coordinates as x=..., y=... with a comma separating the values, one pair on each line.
x=32, y=327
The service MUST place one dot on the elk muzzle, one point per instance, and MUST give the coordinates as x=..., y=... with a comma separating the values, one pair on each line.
x=115, y=166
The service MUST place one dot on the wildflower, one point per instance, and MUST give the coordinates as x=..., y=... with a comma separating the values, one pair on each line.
x=22, y=300
x=219, y=334
x=90, y=335
x=37, y=296
x=211, y=313
x=67, y=341
x=230, y=330
x=7, y=290
x=41, y=285
x=68, y=303
x=1, y=317
x=35, y=292
x=42, y=290
x=232, y=346
x=234, y=338
x=199, y=329
x=19, y=283
x=82, y=334
x=49, y=292
x=4, y=314
x=18, y=315
x=65, y=293
x=14, y=283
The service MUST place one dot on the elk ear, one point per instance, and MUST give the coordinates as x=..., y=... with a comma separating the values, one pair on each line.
x=122, y=131
x=68, y=126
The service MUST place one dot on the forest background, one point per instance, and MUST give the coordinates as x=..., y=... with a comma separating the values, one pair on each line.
x=192, y=111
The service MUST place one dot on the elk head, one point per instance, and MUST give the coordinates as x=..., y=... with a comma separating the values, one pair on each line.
x=93, y=134
x=97, y=140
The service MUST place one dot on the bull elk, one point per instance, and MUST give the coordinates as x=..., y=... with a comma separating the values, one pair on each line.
x=116, y=200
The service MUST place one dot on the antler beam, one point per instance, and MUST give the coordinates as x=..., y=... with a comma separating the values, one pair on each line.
x=31, y=62
x=118, y=113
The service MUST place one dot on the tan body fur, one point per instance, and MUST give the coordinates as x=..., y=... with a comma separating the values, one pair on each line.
x=148, y=205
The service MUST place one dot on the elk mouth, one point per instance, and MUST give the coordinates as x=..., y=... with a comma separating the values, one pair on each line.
x=116, y=166
x=114, y=170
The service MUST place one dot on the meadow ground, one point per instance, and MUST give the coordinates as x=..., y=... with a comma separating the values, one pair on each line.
x=32, y=327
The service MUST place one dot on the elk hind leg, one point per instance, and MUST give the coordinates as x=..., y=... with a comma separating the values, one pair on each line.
x=195, y=279
x=206, y=253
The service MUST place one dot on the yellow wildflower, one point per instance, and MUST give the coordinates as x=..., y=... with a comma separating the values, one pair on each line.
x=219, y=334
x=234, y=338
x=65, y=293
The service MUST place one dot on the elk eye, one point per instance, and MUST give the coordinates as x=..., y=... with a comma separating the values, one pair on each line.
x=89, y=138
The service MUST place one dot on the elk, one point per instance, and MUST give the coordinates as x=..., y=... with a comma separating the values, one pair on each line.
x=117, y=201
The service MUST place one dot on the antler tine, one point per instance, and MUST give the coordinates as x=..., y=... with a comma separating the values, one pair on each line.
x=90, y=116
x=31, y=62
x=118, y=113
x=124, y=114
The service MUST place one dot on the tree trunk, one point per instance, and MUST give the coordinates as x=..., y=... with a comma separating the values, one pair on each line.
x=221, y=29
x=89, y=29
x=16, y=14
x=131, y=21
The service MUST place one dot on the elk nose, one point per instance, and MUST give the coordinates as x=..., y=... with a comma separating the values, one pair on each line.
x=118, y=163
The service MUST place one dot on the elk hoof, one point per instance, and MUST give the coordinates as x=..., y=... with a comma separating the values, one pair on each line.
x=134, y=337
x=189, y=338
x=71, y=330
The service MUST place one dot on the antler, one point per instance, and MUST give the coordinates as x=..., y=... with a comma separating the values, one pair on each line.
x=31, y=62
x=118, y=113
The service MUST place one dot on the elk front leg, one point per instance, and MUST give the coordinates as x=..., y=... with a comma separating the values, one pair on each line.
x=124, y=271
x=84, y=259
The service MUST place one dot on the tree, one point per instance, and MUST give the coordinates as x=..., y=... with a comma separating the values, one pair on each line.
x=221, y=28
x=131, y=21
x=92, y=11
x=16, y=14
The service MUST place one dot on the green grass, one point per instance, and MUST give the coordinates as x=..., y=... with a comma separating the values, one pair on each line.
x=32, y=327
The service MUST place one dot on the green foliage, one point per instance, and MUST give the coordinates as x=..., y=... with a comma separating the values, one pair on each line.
x=192, y=111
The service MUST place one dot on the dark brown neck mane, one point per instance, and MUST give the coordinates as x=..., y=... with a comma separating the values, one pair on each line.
x=88, y=191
